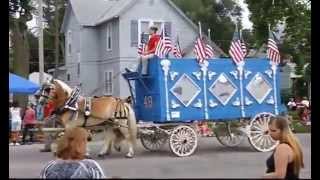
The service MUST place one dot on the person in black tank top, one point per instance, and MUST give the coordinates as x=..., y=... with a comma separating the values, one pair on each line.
x=286, y=160
x=271, y=168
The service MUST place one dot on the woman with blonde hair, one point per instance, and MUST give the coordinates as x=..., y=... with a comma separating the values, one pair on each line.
x=71, y=162
x=287, y=159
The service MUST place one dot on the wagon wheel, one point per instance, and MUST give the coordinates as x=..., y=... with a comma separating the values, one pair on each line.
x=258, y=133
x=153, y=141
x=228, y=134
x=183, y=141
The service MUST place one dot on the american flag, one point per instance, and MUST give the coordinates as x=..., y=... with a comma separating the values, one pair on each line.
x=199, y=50
x=177, y=50
x=141, y=48
x=243, y=46
x=209, y=51
x=164, y=46
x=273, y=52
x=142, y=44
x=235, y=50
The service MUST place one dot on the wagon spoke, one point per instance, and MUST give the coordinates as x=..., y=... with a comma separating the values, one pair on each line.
x=183, y=141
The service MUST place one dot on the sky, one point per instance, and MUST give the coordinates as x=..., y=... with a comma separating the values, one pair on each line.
x=246, y=23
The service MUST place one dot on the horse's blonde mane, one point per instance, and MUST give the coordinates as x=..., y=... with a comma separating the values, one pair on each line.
x=64, y=86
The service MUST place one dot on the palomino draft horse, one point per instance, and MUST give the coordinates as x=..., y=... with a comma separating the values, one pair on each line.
x=114, y=115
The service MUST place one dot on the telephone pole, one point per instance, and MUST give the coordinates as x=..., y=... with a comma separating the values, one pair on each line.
x=40, y=23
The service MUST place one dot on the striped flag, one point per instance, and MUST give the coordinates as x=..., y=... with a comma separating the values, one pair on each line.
x=273, y=52
x=177, y=50
x=235, y=50
x=243, y=46
x=209, y=51
x=164, y=46
x=199, y=50
x=142, y=44
x=141, y=48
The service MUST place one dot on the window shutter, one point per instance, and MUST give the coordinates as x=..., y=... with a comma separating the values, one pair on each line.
x=167, y=28
x=134, y=33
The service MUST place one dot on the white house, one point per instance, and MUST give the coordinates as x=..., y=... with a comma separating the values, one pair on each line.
x=101, y=39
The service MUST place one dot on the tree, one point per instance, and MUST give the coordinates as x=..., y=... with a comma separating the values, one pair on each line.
x=213, y=15
x=20, y=12
x=53, y=14
x=295, y=15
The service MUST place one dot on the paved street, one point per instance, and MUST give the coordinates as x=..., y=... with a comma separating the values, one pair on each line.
x=211, y=160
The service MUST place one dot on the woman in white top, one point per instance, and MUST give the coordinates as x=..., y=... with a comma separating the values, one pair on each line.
x=16, y=121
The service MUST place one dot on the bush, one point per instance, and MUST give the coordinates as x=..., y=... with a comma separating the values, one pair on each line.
x=296, y=124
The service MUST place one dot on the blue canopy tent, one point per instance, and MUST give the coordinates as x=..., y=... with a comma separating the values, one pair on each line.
x=21, y=85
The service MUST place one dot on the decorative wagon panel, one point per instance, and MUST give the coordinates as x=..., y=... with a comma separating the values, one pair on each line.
x=181, y=90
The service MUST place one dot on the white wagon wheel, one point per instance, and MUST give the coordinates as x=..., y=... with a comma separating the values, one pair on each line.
x=228, y=134
x=153, y=141
x=183, y=141
x=258, y=133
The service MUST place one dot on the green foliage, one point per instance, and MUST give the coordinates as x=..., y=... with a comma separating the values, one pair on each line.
x=20, y=11
x=296, y=16
x=213, y=15
x=296, y=124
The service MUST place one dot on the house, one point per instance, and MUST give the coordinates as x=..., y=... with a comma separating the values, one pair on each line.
x=101, y=39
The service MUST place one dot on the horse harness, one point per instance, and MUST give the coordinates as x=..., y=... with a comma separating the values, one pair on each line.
x=121, y=111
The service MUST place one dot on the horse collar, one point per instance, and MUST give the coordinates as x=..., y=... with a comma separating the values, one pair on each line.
x=71, y=103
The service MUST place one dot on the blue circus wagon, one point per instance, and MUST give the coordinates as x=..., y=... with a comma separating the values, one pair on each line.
x=178, y=92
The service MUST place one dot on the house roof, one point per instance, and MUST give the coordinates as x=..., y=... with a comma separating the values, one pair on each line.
x=92, y=14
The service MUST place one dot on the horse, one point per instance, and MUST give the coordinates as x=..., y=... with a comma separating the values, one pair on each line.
x=113, y=114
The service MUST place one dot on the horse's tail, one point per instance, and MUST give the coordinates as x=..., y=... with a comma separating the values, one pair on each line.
x=132, y=124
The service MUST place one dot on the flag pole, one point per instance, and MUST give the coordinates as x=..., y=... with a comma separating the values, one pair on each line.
x=274, y=72
x=200, y=29
x=240, y=68
x=209, y=35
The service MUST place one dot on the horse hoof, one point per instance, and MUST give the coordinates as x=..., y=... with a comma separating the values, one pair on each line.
x=129, y=156
x=101, y=156
x=117, y=148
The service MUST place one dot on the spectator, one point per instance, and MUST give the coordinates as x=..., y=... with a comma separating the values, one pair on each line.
x=49, y=122
x=305, y=102
x=292, y=105
x=287, y=159
x=71, y=162
x=10, y=117
x=39, y=113
x=29, y=122
x=204, y=129
x=15, y=111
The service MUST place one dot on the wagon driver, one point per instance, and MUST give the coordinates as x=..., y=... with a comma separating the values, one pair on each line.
x=150, y=48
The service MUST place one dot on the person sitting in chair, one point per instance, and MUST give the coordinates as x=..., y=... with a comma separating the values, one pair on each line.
x=149, y=49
